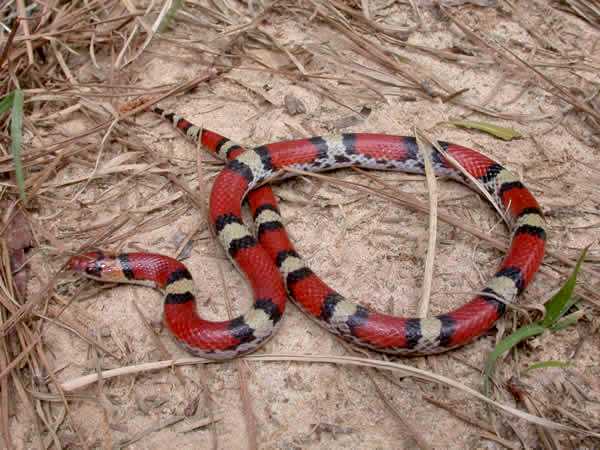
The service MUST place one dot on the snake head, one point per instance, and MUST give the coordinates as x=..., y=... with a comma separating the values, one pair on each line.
x=96, y=265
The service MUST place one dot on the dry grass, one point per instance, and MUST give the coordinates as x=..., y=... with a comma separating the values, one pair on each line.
x=99, y=172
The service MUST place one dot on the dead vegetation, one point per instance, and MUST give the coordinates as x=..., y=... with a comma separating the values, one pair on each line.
x=83, y=165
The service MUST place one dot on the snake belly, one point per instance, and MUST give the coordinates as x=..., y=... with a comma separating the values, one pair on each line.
x=273, y=267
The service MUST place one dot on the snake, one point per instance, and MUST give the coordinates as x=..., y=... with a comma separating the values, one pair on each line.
x=276, y=271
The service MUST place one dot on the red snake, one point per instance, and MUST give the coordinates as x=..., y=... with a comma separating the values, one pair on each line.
x=275, y=270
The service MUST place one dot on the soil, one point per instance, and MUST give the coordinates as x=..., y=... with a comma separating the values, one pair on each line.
x=365, y=247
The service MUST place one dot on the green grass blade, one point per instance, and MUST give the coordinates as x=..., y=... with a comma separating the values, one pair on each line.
x=170, y=16
x=547, y=364
x=560, y=303
x=556, y=308
x=567, y=321
x=6, y=102
x=16, y=136
x=505, y=345
x=506, y=134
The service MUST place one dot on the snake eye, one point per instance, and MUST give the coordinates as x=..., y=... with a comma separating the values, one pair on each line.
x=95, y=268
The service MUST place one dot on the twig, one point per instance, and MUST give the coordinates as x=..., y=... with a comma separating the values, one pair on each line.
x=9, y=41
x=152, y=429
x=86, y=380
x=426, y=148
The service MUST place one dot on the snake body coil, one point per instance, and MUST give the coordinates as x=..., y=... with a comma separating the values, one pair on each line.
x=275, y=270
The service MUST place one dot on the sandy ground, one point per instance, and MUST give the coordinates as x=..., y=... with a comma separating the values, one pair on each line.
x=363, y=246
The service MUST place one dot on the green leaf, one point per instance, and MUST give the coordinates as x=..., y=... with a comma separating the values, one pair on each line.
x=16, y=135
x=560, y=303
x=505, y=345
x=506, y=134
x=546, y=364
x=6, y=102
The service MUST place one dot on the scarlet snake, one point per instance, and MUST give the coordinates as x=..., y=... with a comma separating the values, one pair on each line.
x=273, y=267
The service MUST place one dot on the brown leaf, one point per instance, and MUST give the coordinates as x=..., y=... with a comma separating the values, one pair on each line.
x=20, y=240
